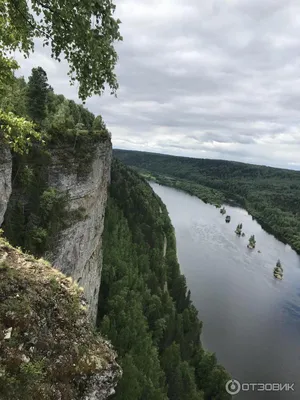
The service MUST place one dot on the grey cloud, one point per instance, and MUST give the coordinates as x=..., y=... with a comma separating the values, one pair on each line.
x=214, y=79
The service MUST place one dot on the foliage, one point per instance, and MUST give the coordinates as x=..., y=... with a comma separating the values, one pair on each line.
x=17, y=132
x=83, y=33
x=14, y=99
x=37, y=212
x=252, y=241
x=278, y=270
x=48, y=349
x=271, y=195
x=145, y=307
x=56, y=118
x=238, y=230
x=37, y=90
x=98, y=124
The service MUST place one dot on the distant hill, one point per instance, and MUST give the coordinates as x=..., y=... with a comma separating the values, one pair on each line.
x=271, y=195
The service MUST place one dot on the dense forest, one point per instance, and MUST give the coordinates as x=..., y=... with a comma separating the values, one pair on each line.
x=145, y=308
x=271, y=195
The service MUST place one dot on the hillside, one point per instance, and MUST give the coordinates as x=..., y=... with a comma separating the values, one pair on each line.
x=145, y=308
x=271, y=195
x=48, y=349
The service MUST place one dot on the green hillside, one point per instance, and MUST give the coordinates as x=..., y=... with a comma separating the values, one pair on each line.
x=145, y=308
x=271, y=195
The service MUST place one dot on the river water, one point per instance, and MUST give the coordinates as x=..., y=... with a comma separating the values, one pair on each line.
x=251, y=320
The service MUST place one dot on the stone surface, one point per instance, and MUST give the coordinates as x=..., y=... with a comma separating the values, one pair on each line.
x=5, y=179
x=79, y=247
x=102, y=385
x=56, y=330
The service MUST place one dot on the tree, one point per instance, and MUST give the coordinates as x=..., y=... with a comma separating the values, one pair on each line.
x=84, y=34
x=278, y=270
x=98, y=124
x=62, y=119
x=238, y=230
x=36, y=94
x=16, y=131
x=14, y=99
x=252, y=242
x=223, y=210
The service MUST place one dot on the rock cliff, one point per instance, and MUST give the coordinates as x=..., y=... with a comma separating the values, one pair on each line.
x=78, y=252
x=78, y=173
x=44, y=315
x=5, y=178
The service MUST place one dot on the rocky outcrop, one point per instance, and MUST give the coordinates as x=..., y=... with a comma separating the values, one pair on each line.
x=85, y=178
x=5, y=178
x=102, y=385
x=49, y=349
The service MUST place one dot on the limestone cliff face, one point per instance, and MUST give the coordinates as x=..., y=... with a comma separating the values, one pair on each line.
x=5, y=178
x=83, y=174
x=78, y=252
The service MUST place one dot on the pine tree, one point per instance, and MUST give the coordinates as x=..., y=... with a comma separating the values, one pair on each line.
x=252, y=242
x=238, y=230
x=98, y=124
x=37, y=95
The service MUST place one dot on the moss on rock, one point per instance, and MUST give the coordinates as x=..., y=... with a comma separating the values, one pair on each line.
x=48, y=350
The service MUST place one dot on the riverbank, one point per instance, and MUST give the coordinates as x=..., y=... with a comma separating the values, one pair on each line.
x=217, y=198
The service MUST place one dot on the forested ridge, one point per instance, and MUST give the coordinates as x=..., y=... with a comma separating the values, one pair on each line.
x=271, y=195
x=145, y=308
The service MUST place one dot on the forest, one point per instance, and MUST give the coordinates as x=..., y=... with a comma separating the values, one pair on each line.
x=145, y=308
x=270, y=195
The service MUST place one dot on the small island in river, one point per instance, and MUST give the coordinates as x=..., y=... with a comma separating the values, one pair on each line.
x=278, y=271
x=238, y=230
x=252, y=242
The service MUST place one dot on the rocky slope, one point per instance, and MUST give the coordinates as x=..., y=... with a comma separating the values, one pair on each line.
x=48, y=349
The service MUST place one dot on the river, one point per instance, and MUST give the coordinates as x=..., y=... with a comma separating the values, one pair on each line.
x=251, y=320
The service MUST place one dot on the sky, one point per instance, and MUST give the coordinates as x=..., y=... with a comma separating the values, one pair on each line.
x=209, y=79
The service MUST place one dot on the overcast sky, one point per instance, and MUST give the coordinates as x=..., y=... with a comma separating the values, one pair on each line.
x=213, y=79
